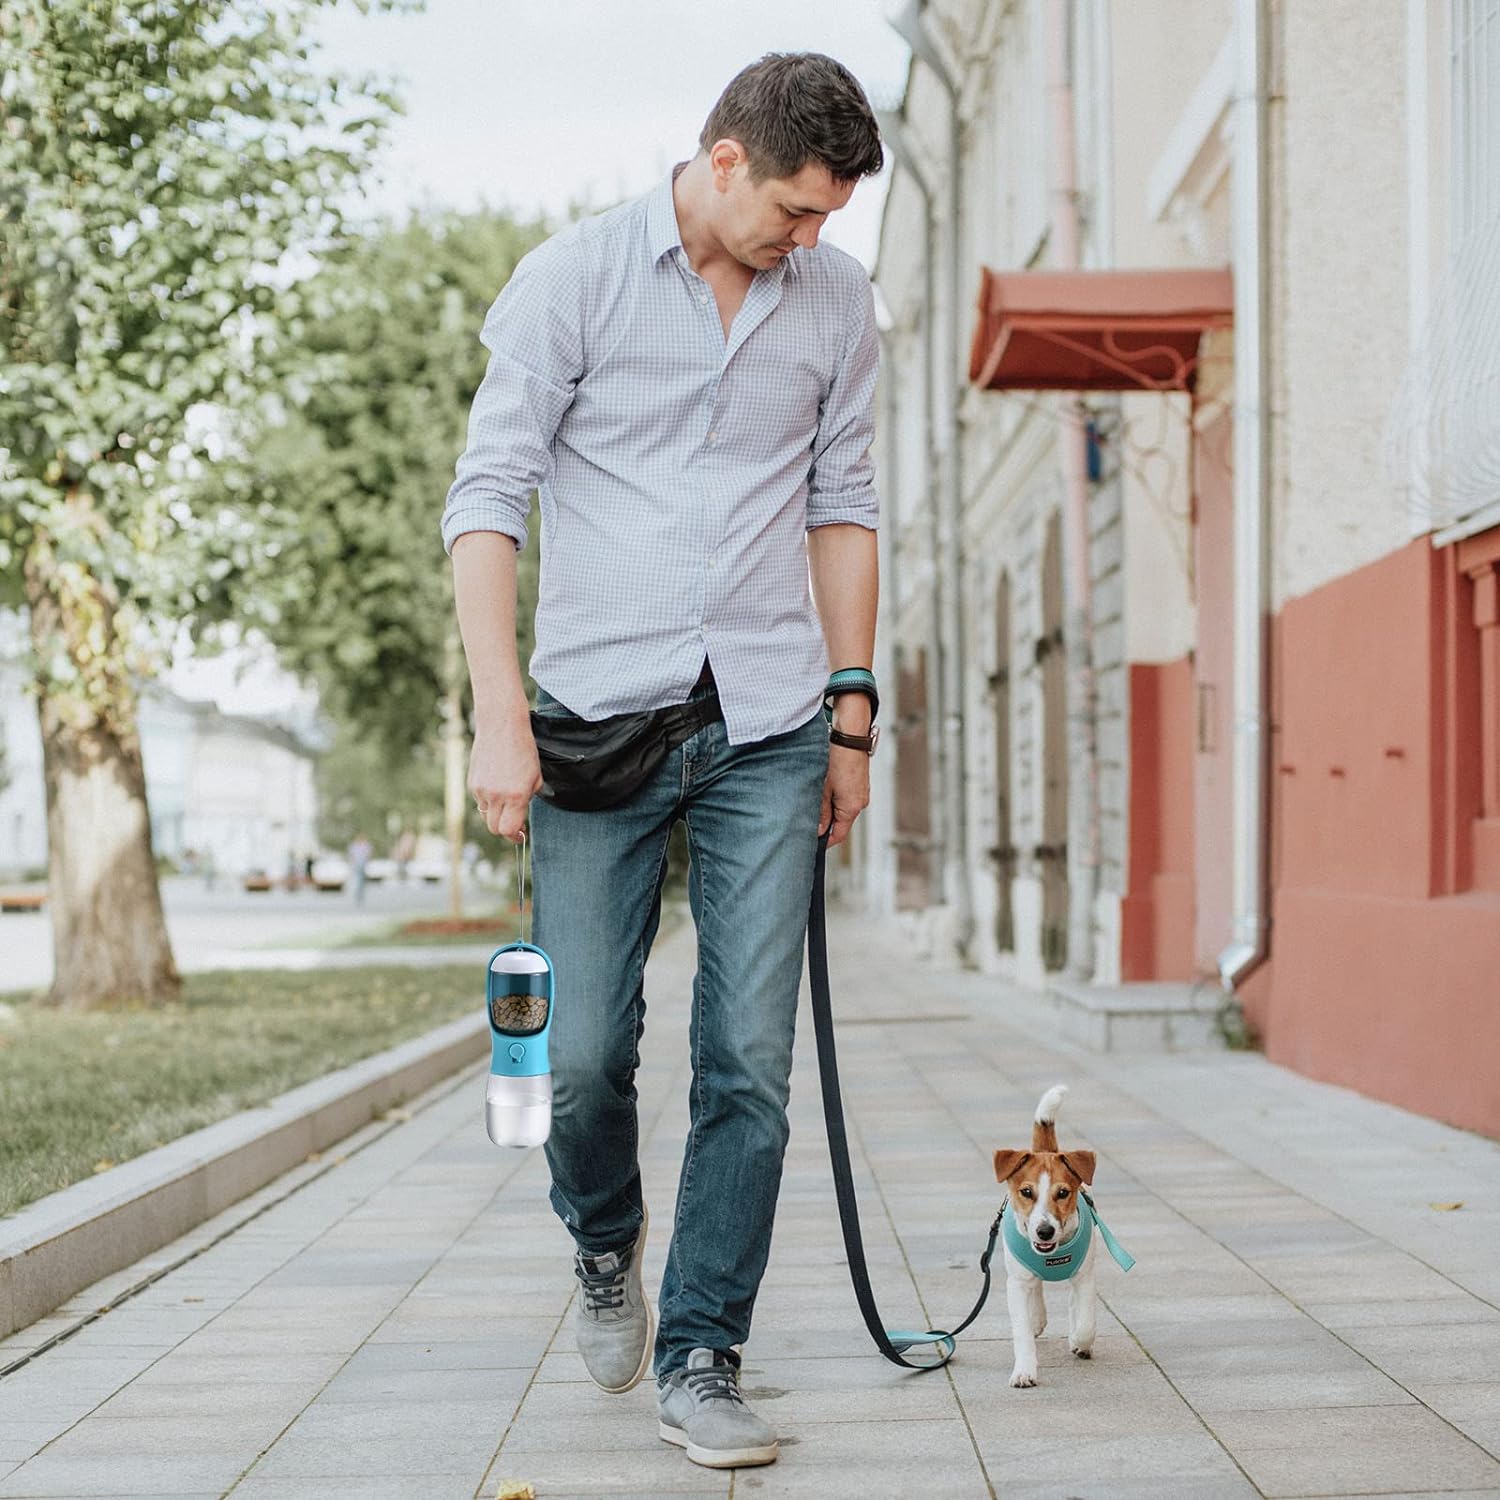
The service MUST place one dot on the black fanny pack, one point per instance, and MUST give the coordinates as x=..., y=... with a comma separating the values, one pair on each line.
x=588, y=764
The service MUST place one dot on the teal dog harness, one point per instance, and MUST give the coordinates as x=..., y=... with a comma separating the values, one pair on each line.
x=1063, y=1261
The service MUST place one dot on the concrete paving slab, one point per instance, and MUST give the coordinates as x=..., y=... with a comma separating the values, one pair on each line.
x=114, y=1477
x=1470, y=1407
x=377, y=1487
x=1428, y=1352
x=1198, y=1487
x=1186, y=1460
x=1373, y=1449
x=1388, y=1312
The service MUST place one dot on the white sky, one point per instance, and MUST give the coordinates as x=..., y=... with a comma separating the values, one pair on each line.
x=535, y=105
x=532, y=104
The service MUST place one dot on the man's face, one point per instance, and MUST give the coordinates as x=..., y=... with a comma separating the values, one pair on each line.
x=761, y=223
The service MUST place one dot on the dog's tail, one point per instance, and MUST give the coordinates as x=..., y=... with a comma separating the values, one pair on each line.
x=1044, y=1126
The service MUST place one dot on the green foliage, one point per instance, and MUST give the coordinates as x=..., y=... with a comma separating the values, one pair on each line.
x=159, y=161
x=1234, y=1026
x=365, y=788
x=368, y=786
x=351, y=579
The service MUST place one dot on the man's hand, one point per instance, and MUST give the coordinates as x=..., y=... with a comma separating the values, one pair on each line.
x=846, y=792
x=504, y=774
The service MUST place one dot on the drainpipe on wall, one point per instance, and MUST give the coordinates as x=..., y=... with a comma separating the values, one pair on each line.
x=1248, y=947
x=912, y=26
x=893, y=132
x=1083, y=761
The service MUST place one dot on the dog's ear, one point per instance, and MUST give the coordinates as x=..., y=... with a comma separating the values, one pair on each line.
x=1082, y=1162
x=1006, y=1162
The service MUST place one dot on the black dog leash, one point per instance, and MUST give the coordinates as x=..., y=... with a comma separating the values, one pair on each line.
x=891, y=1343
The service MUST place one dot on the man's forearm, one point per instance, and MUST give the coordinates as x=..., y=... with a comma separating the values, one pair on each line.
x=844, y=564
x=484, y=589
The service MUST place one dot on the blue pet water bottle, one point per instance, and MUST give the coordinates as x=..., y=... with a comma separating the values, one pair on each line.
x=519, y=994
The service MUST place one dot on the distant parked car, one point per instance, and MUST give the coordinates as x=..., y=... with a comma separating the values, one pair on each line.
x=330, y=872
x=380, y=869
x=433, y=871
x=257, y=880
x=23, y=900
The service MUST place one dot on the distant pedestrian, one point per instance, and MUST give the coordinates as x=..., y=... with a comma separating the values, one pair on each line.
x=405, y=845
x=359, y=860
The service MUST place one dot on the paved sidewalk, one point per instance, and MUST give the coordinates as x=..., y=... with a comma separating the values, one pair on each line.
x=396, y=1320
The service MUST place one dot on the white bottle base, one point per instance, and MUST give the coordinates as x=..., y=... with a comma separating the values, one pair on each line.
x=518, y=1111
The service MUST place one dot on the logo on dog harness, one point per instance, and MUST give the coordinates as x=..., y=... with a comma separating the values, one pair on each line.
x=1059, y=1260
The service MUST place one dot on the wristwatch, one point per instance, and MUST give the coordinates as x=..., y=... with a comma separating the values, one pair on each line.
x=865, y=742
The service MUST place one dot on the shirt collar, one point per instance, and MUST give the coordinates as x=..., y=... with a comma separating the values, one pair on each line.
x=663, y=233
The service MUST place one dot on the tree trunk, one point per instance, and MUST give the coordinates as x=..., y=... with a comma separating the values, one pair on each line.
x=109, y=935
x=454, y=768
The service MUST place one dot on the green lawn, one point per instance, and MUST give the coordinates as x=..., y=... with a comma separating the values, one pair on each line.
x=84, y=1090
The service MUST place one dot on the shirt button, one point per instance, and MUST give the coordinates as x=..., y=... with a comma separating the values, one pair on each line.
x=713, y=436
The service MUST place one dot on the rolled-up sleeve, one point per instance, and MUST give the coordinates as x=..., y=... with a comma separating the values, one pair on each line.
x=533, y=333
x=841, y=483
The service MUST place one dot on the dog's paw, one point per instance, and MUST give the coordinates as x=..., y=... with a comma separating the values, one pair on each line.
x=1022, y=1379
x=1083, y=1351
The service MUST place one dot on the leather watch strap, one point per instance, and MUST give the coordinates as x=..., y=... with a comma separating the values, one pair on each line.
x=865, y=742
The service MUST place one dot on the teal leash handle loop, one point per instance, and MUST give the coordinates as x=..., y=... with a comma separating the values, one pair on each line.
x=851, y=680
x=891, y=1343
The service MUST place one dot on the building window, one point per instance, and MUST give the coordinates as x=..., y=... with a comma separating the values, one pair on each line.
x=1474, y=80
x=1467, y=383
x=1443, y=437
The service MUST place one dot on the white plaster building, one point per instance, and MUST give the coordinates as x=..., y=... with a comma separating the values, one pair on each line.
x=236, y=786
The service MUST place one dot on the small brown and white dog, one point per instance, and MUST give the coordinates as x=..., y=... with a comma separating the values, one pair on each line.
x=1044, y=1186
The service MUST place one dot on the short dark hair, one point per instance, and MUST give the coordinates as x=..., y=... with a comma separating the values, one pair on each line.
x=791, y=108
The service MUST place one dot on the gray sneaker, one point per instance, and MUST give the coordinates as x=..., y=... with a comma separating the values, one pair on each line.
x=700, y=1408
x=614, y=1320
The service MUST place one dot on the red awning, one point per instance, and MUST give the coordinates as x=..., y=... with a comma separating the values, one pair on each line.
x=1095, y=330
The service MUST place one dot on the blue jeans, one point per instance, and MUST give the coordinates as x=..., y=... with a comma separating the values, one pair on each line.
x=752, y=821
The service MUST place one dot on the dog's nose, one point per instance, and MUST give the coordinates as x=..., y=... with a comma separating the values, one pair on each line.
x=1045, y=1231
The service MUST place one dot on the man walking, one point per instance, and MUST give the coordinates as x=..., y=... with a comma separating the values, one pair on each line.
x=688, y=380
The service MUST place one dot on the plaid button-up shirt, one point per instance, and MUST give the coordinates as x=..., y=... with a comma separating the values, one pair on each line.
x=678, y=471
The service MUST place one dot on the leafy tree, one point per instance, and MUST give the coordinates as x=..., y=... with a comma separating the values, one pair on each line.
x=158, y=161
x=366, y=787
x=363, y=788
x=353, y=582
